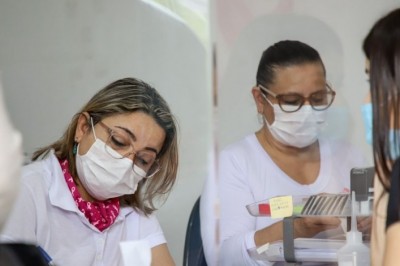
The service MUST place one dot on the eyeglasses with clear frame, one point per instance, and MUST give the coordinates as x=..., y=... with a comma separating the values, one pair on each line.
x=119, y=145
x=292, y=102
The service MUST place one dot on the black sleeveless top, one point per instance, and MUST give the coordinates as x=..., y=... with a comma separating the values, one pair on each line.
x=393, y=207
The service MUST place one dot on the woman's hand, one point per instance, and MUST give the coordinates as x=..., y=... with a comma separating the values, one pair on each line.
x=364, y=225
x=310, y=226
x=303, y=227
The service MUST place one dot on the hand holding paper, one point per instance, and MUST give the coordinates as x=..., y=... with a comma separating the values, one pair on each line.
x=310, y=226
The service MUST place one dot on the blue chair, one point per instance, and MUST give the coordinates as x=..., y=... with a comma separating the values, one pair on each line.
x=193, y=251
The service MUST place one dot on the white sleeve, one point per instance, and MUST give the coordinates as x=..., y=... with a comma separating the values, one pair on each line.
x=10, y=162
x=237, y=226
x=21, y=224
x=150, y=230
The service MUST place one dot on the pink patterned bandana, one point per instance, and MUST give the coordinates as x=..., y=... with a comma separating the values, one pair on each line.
x=101, y=214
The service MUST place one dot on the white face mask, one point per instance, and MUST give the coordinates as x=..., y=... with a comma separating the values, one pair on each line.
x=298, y=129
x=104, y=176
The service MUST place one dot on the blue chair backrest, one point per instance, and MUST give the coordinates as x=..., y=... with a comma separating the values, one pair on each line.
x=193, y=251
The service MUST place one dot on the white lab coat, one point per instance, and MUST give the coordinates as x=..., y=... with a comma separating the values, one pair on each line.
x=45, y=214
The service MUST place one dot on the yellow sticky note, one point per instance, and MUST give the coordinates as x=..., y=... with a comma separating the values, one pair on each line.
x=281, y=206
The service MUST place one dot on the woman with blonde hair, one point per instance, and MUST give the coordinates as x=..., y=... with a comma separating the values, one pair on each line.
x=95, y=187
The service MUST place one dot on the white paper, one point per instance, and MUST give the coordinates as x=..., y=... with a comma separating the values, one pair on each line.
x=135, y=253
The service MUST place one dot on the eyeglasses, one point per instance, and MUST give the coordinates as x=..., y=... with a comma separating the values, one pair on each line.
x=119, y=145
x=292, y=102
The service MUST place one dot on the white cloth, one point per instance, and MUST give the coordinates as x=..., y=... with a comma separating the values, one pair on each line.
x=10, y=162
x=46, y=214
x=247, y=174
x=136, y=253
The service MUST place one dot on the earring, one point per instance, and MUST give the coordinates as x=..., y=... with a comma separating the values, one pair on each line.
x=260, y=118
x=75, y=148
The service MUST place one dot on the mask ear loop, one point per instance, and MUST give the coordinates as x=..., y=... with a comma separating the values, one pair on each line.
x=261, y=118
x=94, y=132
x=265, y=98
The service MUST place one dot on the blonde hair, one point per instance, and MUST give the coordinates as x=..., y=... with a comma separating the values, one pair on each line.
x=126, y=96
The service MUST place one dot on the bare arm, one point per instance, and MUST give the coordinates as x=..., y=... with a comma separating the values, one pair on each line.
x=391, y=256
x=160, y=256
x=269, y=234
x=303, y=227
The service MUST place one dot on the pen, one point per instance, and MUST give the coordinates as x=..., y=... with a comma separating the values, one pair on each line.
x=46, y=256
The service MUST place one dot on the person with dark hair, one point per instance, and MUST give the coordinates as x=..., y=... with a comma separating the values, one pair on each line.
x=382, y=50
x=95, y=187
x=286, y=156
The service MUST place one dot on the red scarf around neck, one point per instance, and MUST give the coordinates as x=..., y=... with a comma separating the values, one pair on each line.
x=101, y=214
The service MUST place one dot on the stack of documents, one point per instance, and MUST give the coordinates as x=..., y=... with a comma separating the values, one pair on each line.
x=306, y=249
